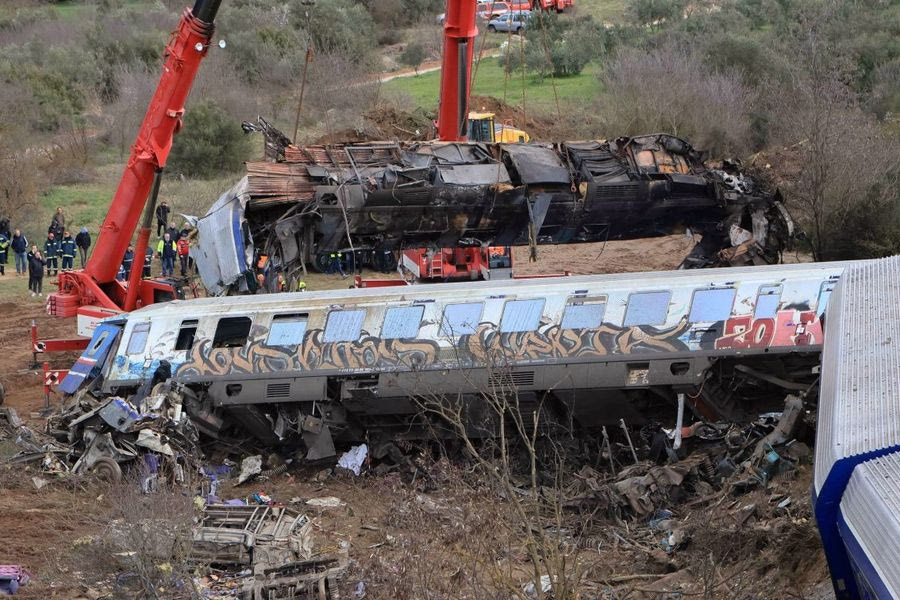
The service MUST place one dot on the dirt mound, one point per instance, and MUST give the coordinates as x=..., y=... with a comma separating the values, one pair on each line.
x=538, y=126
x=390, y=123
x=385, y=123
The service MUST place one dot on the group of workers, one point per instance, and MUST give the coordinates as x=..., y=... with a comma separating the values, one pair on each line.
x=174, y=245
x=59, y=247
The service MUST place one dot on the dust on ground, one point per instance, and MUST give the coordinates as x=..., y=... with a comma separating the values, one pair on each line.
x=399, y=534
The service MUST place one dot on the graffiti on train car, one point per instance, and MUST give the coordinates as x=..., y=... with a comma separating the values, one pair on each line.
x=789, y=327
x=486, y=345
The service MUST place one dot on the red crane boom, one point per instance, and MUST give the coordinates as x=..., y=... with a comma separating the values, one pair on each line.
x=456, y=70
x=97, y=284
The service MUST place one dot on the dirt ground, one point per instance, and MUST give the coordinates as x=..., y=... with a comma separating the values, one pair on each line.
x=405, y=537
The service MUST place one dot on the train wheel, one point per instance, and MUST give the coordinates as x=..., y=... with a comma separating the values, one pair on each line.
x=320, y=264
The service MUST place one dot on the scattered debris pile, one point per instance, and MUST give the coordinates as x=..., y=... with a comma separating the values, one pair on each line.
x=13, y=577
x=265, y=551
x=102, y=434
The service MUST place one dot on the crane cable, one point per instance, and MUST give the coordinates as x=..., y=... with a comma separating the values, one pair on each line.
x=550, y=64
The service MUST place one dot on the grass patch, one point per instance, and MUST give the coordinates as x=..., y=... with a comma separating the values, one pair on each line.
x=605, y=11
x=490, y=80
x=15, y=289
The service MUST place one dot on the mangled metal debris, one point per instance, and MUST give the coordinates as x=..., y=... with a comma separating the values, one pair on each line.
x=272, y=549
x=365, y=201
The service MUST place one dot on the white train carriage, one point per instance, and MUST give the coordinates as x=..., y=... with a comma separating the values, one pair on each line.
x=856, y=487
x=586, y=343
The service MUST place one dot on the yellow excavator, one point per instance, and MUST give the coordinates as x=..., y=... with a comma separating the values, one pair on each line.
x=483, y=127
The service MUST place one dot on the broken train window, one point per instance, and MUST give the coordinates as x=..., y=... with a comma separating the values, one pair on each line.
x=186, y=335
x=287, y=330
x=461, y=319
x=344, y=325
x=647, y=308
x=232, y=332
x=767, y=300
x=521, y=315
x=402, y=322
x=584, y=313
x=711, y=306
x=824, y=294
x=97, y=343
x=138, y=340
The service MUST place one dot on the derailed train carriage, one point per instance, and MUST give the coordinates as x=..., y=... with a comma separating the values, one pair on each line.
x=351, y=364
x=366, y=201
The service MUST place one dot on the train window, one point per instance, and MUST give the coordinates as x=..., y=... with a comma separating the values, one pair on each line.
x=767, y=300
x=138, y=340
x=287, y=330
x=402, y=322
x=232, y=332
x=583, y=315
x=824, y=294
x=344, y=325
x=186, y=335
x=461, y=319
x=647, y=308
x=710, y=306
x=521, y=315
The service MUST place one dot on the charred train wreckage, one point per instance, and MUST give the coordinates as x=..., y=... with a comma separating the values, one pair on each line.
x=367, y=201
x=306, y=371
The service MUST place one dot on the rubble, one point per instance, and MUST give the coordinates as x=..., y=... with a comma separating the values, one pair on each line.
x=265, y=551
x=13, y=577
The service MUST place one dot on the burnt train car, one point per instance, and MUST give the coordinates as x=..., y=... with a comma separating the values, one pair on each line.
x=366, y=201
x=590, y=348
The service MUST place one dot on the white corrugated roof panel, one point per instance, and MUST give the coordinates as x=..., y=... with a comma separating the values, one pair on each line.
x=859, y=400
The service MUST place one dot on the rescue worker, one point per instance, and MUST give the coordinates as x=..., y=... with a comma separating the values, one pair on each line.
x=51, y=254
x=301, y=286
x=162, y=217
x=167, y=250
x=184, y=249
x=36, y=264
x=4, y=253
x=83, y=241
x=67, y=251
x=4, y=228
x=148, y=261
x=127, y=261
x=58, y=223
x=335, y=265
x=20, y=250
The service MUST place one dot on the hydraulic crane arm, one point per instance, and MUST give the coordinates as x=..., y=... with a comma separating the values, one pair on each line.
x=97, y=284
x=456, y=69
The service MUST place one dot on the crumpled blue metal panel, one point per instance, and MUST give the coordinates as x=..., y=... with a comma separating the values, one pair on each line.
x=92, y=359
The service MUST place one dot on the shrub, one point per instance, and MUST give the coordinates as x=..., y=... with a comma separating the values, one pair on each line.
x=654, y=13
x=413, y=56
x=339, y=26
x=670, y=89
x=561, y=47
x=210, y=144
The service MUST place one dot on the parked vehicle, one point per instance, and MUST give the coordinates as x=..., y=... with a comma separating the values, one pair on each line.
x=511, y=21
x=557, y=5
x=492, y=10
